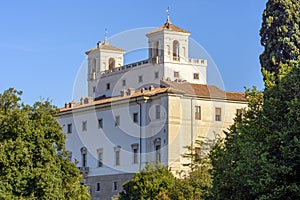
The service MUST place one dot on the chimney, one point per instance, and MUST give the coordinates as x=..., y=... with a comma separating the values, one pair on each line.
x=131, y=91
x=151, y=87
x=123, y=93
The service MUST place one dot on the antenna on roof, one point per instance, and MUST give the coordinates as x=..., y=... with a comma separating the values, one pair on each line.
x=168, y=14
x=105, y=37
x=105, y=34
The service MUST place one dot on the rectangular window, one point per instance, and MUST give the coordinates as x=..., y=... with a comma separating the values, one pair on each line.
x=107, y=86
x=100, y=158
x=70, y=155
x=69, y=127
x=156, y=74
x=218, y=114
x=135, y=117
x=157, y=111
x=140, y=79
x=115, y=185
x=239, y=112
x=196, y=76
x=124, y=82
x=198, y=112
x=84, y=161
x=94, y=89
x=176, y=74
x=98, y=187
x=135, y=156
x=117, y=152
x=135, y=148
x=84, y=126
x=100, y=123
x=157, y=154
x=197, y=151
x=117, y=121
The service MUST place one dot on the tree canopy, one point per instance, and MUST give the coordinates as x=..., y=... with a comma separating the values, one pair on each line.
x=260, y=156
x=33, y=161
x=153, y=182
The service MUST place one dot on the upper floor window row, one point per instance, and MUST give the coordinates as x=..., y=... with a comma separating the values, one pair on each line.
x=218, y=113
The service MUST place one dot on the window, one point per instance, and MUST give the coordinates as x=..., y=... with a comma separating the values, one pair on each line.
x=156, y=48
x=135, y=148
x=100, y=157
x=157, y=111
x=117, y=120
x=239, y=112
x=107, y=86
x=218, y=114
x=157, y=144
x=156, y=74
x=100, y=123
x=70, y=155
x=111, y=63
x=84, y=126
x=197, y=151
x=198, y=112
x=98, y=187
x=176, y=51
x=135, y=117
x=176, y=74
x=140, y=79
x=94, y=89
x=84, y=156
x=196, y=76
x=117, y=155
x=69, y=127
x=124, y=82
x=115, y=185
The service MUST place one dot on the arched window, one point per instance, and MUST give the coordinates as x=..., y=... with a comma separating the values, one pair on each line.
x=157, y=48
x=94, y=65
x=111, y=62
x=176, y=50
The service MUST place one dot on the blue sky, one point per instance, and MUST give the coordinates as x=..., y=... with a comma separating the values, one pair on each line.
x=42, y=43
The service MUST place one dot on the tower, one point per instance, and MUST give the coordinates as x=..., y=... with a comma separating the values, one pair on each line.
x=168, y=43
x=102, y=59
x=169, y=46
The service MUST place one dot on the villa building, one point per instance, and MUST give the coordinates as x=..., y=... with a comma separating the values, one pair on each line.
x=147, y=111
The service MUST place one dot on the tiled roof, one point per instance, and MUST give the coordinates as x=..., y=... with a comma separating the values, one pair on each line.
x=199, y=90
x=170, y=27
x=137, y=93
x=106, y=46
x=205, y=91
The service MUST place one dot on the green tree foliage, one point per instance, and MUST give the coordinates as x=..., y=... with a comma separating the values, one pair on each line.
x=153, y=182
x=237, y=160
x=33, y=160
x=260, y=157
x=195, y=184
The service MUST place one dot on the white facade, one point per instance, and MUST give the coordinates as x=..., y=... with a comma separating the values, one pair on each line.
x=168, y=59
x=147, y=111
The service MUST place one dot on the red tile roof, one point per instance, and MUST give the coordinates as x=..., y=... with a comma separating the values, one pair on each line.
x=170, y=27
x=206, y=91
x=106, y=46
x=199, y=90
